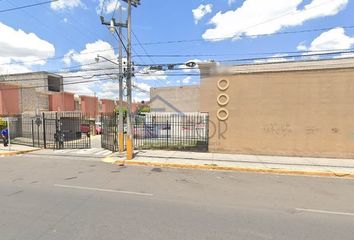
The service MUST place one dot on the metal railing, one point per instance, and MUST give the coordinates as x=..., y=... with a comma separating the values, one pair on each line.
x=57, y=130
x=172, y=131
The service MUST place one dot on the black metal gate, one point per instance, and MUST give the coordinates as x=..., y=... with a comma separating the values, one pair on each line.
x=56, y=130
x=109, y=134
x=172, y=131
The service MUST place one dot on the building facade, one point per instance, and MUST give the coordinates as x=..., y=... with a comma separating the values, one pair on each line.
x=106, y=106
x=293, y=108
x=175, y=99
x=89, y=106
x=42, y=81
x=9, y=99
x=62, y=101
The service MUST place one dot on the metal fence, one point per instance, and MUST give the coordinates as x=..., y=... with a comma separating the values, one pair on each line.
x=57, y=130
x=109, y=133
x=172, y=131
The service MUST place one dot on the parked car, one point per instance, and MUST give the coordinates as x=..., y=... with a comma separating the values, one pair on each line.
x=85, y=128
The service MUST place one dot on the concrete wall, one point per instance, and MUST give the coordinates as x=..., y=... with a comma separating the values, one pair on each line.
x=62, y=102
x=46, y=82
x=9, y=99
x=295, y=113
x=89, y=106
x=30, y=100
x=175, y=99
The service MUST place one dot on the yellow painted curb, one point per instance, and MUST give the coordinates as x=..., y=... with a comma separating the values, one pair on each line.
x=9, y=154
x=240, y=169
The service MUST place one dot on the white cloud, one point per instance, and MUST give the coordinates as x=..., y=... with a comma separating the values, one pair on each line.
x=334, y=39
x=142, y=92
x=87, y=60
x=107, y=7
x=65, y=20
x=201, y=11
x=266, y=17
x=19, y=51
x=68, y=56
x=146, y=74
x=66, y=4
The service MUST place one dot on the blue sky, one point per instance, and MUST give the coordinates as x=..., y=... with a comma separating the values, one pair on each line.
x=73, y=27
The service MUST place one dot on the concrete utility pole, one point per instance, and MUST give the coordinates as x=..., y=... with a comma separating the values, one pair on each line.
x=128, y=25
x=130, y=140
x=121, y=117
x=130, y=147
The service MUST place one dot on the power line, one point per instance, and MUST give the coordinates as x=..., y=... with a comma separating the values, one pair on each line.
x=190, y=55
x=246, y=36
x=115, y=9
x=183, y=63
x=235, y=54
x=27, y=6
x=47, y=85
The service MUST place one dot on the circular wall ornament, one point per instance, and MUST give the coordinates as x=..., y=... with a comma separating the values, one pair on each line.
x=223, y=84
x=223, y=99
x=223, y=114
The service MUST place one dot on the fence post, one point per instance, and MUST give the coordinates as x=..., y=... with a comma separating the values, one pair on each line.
x=44, y=132
x=32, y=133
x=167, y=132
x=101, y=130
x=56, y=138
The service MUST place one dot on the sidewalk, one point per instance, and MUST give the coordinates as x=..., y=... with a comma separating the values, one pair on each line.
x=244, y=163
x=16, y=150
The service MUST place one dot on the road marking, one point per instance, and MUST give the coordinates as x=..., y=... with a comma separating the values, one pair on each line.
x=101, y=152
x=324, y=212
x=102, y=190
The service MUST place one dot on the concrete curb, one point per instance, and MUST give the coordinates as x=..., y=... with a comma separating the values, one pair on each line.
x=240, y=169
x=14, y=153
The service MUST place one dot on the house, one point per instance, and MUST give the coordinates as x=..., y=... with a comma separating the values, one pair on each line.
x=31, y=91
x=89, y=106
x=62, y=101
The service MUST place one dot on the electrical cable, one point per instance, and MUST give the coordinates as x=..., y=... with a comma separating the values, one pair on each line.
x=27, y=6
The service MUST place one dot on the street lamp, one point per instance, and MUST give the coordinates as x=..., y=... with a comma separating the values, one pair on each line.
x=97, y=59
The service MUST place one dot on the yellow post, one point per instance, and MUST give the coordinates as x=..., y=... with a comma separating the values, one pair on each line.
x=121, y=141
x=130, y=151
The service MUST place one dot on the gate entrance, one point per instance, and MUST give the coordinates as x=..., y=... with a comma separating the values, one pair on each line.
x=109, y=134
x=64, y=130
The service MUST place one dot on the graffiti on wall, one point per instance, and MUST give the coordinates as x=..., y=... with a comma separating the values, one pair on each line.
x=278, y=129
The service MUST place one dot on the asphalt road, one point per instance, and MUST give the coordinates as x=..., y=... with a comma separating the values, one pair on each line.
x=54, y=197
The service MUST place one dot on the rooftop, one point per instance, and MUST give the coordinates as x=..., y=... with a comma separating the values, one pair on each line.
x=306, y=65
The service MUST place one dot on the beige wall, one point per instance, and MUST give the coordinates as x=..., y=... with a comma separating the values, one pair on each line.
x=296, y=113
x=175, y=99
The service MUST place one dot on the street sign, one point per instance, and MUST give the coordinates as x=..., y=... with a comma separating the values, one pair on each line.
x=38, y=121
